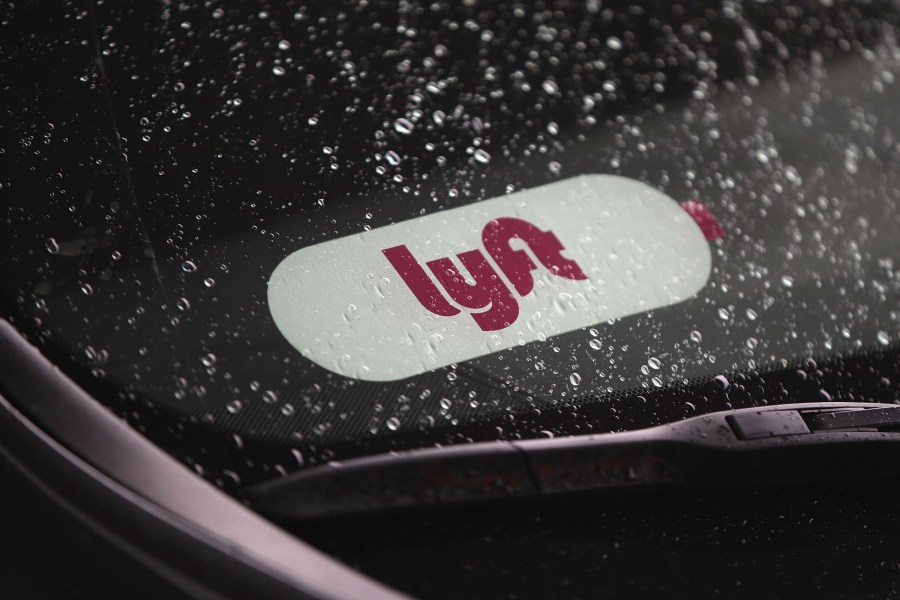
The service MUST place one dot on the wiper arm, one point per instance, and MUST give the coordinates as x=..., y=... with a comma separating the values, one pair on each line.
x=777, y=444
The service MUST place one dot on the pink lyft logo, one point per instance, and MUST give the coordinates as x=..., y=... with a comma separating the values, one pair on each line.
x=488, y=288
x=442, y=288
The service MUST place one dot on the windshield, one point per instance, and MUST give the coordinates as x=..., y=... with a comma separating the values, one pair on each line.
x=164, y=161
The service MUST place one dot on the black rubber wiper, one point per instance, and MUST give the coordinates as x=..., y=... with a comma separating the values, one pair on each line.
x=792, y=443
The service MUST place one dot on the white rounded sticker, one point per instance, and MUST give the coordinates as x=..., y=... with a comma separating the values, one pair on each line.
x=451, y=286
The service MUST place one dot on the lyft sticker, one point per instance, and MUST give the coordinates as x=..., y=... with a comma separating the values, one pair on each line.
x=451, y=286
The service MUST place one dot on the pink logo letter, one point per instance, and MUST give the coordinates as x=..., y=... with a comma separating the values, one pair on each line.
x=488, y=289
x=516, y=264
x=418, y=281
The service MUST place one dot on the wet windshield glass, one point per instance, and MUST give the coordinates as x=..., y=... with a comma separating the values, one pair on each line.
x=162, y=160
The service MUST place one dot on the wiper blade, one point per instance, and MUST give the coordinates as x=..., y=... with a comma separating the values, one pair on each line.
x=779, y=444
x=882, y=419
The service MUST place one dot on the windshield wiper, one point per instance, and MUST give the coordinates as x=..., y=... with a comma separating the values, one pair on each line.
x=791, y=443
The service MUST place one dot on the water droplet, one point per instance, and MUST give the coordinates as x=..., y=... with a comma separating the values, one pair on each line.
x=52, y=246
x=595, y=344
x=482, y=157
x=393, y=423
x=208, y=360
x=287, y=410
x=209, y=282
x=188, y=266
x=722, y=382
x=438, y=117
x=403, y=126
x=575, y=379
x=751, y=314
x=696, y=337
x=183, y=304
x=787, y=281
x=549, y=86
x=270, y=397
x=614, y=43
x=657, y=382
x=278, y=70
x=723, y=314
x=392, y=158
x=653, y=363
x=284, y=45
x=883, y=338
x=554, y=167
x=234, y=406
